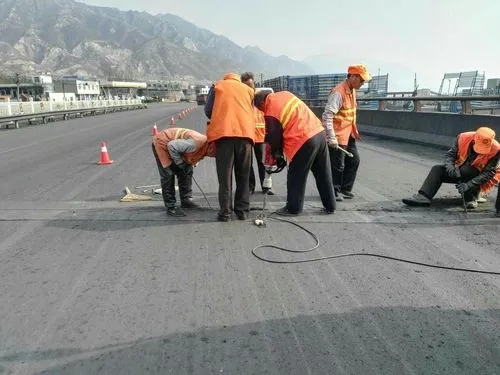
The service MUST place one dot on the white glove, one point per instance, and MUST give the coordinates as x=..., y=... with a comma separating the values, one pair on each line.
x=333, y=143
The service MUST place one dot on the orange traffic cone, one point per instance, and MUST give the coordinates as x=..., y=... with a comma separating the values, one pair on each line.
x=172, y=121
x=155, y=130
x=104, y=155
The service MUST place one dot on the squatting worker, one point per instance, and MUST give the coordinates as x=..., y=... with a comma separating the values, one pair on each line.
x=260, y=131
x=339, y=120
x=232, y=127
x=176, y=151
x=293, y=131
x=471, y=163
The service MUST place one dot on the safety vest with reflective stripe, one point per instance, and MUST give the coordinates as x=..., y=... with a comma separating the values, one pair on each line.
x=298, y=121
x=232, y=113
x=160, y=142
x=464, y=141
x=344, y=121
x=260, y=126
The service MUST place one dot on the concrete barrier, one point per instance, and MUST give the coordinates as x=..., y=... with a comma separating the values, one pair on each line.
x=436, y=129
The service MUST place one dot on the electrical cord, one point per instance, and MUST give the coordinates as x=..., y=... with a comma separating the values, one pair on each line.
x=345, y=255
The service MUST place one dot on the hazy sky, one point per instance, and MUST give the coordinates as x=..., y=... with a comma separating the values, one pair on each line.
x=428, y=37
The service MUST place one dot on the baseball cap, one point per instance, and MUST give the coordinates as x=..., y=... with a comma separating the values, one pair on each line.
x=483, y=140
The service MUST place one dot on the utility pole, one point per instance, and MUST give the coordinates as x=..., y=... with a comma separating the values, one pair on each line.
x=18, y=83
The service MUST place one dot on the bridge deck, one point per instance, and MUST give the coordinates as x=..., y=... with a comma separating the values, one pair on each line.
x=91, y=285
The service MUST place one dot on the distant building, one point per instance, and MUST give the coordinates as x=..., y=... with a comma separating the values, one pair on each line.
x=80, y=87
x=44, y=80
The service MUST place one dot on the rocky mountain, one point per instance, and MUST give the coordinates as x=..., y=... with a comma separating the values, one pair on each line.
x=68, y=37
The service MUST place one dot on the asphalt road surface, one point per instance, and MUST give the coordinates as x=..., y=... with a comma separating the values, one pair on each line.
x=92, y=285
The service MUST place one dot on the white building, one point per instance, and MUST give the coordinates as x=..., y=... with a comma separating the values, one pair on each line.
x=82, y=88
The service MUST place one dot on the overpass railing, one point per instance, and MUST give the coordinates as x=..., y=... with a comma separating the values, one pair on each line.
x=14, y=109
x=487, y=104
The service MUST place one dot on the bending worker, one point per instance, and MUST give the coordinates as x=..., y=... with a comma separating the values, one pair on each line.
x=471, y=164
x=293, y=131
x=339, y=120
x=232, y=127
x=260, y=131
x=176, y=151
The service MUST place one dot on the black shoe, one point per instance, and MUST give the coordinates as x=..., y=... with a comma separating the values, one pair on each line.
x=188, y=203
x=498, y=213
x=241, y=215
x=223, y=218
x=327, y=211
x=175, y=212
x=347, y=194
x=267, y=191
x=283, y=211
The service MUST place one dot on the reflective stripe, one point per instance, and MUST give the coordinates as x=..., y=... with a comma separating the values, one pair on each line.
x=180, y=133
x=288, y=110
x=260, y=125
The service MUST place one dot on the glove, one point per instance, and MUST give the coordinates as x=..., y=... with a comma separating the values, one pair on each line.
x=280, y=162
x=463, y=187
x=333, y=143
x=185, y=168
x=452, y=171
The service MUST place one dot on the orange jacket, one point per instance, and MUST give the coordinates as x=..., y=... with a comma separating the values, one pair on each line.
x=232, y=114
x=298, y=121
x=344, y=121
x=260, y=126
x=160, y=142
x=464, y=141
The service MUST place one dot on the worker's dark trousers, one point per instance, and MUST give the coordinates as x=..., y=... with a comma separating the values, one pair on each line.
x=344, y=169
x=233, y=153
x=312, y=156
x=497, y=204
x=167, y=182
x=438, y=175
x=258, y=149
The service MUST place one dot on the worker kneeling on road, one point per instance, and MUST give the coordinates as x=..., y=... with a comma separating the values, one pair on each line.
x=471, y=164
x=176, y=151
x=293, y=131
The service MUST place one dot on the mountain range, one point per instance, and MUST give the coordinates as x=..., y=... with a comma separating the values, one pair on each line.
x=66, y=37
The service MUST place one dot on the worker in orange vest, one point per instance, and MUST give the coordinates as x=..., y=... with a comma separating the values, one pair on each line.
x=232, y=127
x=339, y=120
x=471, y=164
x=176, y=151
x=260, y=131
x=294, y=132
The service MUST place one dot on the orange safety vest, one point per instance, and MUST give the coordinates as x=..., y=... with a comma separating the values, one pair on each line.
x=299, y=123
x=160, y=142
x=232, y=114
x=260, y=126
x=464, y=141
x=344, y=121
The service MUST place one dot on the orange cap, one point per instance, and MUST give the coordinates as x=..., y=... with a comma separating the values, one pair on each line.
x=483, y=140
x=361, y=71
x=235, y=76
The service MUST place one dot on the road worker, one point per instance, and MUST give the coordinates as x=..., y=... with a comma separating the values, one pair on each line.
x=232, y=127
x=339, y=120
x=471, y=163
x=260, y=131
x=176, y=151
x=294, y=132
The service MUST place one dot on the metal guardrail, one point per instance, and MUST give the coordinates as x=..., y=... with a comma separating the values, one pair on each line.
x=15, y=112
x=418, y=101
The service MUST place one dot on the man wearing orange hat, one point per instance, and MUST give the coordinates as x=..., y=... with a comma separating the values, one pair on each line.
x=339, y=121
x=471, y=163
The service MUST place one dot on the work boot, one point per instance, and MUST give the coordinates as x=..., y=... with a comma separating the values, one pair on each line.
x=223, y=218
x=267, y=191
x=175, y=212
x=189, y=203
x=482, y=199
x=241, y=215
x=347, y=194
x=327, y=211
x=417, y=200
x=283, y=211
x=338, y=197
x=471, y=204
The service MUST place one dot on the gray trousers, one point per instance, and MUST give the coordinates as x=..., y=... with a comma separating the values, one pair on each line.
x=438, y=176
